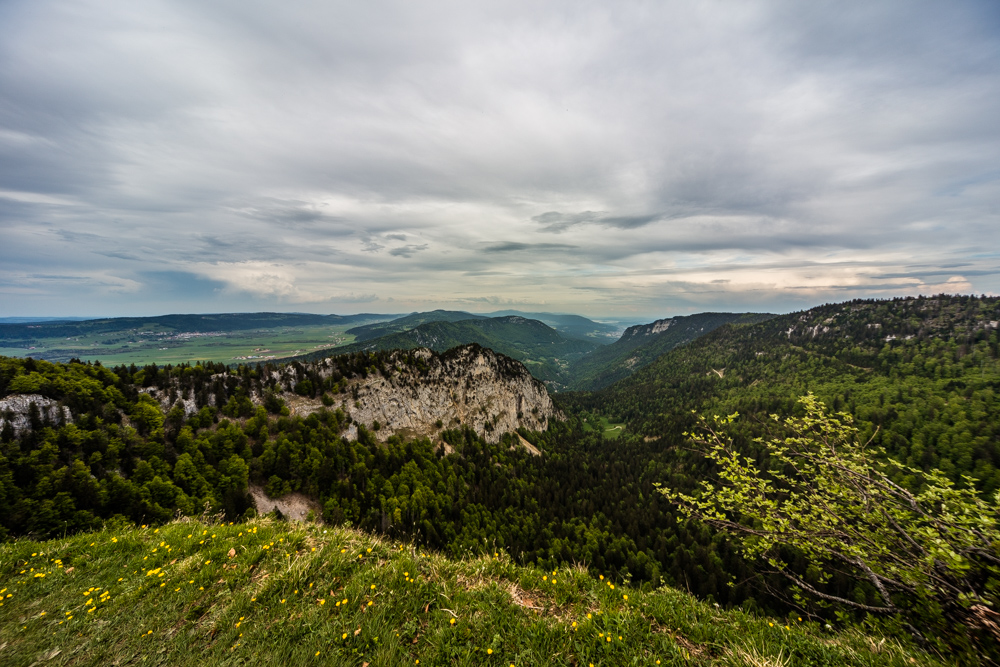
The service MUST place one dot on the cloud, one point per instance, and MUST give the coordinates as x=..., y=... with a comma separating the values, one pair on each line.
x=290, y=155
x=407, y=250
x=514, y=246
x=554, y=221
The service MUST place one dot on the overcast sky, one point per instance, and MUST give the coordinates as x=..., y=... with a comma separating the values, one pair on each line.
x=632, y=159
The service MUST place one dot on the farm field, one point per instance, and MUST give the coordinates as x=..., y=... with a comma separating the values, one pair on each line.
x=610, y=430
x=152, y=344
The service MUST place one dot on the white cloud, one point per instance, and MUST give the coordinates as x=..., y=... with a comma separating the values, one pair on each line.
x=596, y=157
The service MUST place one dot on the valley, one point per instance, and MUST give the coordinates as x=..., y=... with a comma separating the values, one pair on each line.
x=462, y=451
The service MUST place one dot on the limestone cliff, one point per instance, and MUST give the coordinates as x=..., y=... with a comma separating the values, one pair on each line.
x=469, y=385
x=16, y=411
x=406, y=392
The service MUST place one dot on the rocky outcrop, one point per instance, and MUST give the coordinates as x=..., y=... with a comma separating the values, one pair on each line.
x=415, y=393
x=469, y=385
x=16, y=411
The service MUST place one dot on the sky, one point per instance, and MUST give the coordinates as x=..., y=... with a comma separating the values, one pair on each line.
x=612, y=159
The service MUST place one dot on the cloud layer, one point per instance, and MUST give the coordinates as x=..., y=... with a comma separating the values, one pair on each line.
x=630, y=159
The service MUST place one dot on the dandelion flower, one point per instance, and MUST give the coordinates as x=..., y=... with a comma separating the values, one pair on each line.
x=489, y=651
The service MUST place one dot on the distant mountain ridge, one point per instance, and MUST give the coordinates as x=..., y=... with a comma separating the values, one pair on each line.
x=198, y=323
x=545, y=352
x=407, y=322
x=644, y=343
x=571, y=326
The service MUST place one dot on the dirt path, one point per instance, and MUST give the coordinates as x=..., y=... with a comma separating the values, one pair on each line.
x=294, y=506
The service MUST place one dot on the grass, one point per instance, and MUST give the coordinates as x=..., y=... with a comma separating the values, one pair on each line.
x=227, y=347
x=268, y=592
x=610, y=430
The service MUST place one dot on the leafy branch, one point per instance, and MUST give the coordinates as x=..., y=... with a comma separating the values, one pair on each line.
x=931, y=556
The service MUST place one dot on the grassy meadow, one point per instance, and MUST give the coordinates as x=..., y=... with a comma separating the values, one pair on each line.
x=269, y=592
x=144, y=347
x=610, y=430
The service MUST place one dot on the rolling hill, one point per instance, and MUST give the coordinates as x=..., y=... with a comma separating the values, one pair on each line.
x=413, y=320
x=643, y=343
x=545, y=352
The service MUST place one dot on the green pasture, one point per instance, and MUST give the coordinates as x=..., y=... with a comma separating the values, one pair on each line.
x=144, y=347
x=269, y=593
x=610, y=430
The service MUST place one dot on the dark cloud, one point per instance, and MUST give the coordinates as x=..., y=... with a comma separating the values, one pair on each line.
x=554, y=221
x=407, y=250
x=292, y=155
x=514, y=246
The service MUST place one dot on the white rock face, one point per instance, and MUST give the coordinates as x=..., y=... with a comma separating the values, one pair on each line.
x=15, y=409
x=472, y=386
x=659, y=326
x=163, y=398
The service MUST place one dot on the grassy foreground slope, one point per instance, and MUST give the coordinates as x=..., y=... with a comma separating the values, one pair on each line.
x=267, y=592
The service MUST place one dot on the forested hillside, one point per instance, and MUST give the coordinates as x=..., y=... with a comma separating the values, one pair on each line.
x=541, y=348
x=642, y=344
x=570, y=326
x=407, y=322
x=920, y=375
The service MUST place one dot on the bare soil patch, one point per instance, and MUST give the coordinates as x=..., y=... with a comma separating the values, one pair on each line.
x=295, y=506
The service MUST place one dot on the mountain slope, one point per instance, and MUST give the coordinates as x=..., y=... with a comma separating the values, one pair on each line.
x=414, y=393
x=268, y=592
x=921, y=375
x=570, y=326
x=643, y=343
x=546, y=353
x=411, y=321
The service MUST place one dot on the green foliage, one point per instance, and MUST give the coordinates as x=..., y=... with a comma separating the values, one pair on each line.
x=642, y=344
x=541, y=348
x=931, y=400
x=931, y=557
x=266, y=592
